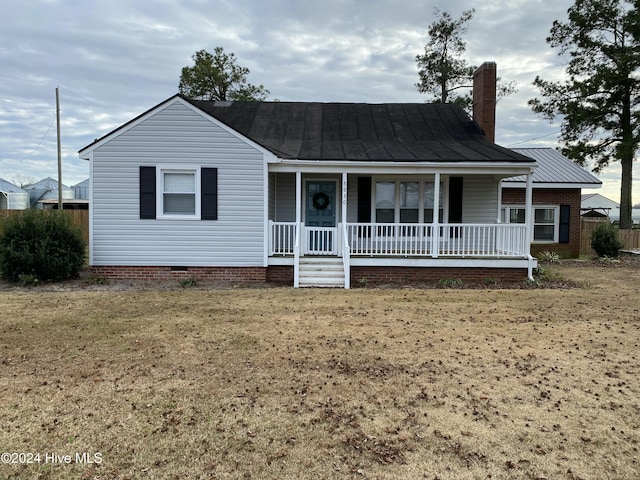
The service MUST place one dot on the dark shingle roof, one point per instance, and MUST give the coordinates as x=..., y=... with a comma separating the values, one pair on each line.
x=411, y=132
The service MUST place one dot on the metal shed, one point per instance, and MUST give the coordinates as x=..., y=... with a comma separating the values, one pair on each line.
x=47, y=189
x=12, y=197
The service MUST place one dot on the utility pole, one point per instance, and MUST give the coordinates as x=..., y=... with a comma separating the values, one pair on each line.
x=60, y=206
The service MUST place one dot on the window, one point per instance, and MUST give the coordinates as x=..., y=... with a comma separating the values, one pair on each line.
x=188, y=193
x=545, y=221
x=179, y=193
x=398, y=201
x=409, y=202
x=428, y=202
x=385, y=201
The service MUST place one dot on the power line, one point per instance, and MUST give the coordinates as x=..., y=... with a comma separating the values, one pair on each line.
x=533, y=139
x=41, y=140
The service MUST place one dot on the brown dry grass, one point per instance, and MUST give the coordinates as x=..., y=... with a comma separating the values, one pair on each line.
x=368, y=383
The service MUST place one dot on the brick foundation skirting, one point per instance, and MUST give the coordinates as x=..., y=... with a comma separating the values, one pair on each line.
x=382, y=275
x=283, y=274
x=280, y=274
x=224, y=274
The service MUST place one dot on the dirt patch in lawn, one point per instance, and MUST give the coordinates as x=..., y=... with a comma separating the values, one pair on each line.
x=275, y=383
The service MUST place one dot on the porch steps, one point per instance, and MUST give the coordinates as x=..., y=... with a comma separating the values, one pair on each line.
x=321, y=272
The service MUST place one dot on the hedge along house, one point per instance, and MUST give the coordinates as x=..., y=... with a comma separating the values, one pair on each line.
x=313, y=194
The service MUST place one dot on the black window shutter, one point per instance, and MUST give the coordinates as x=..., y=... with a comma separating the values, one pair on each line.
x=455, y=200
x=209, y=194
x=565, y=215
x=364, y=199
x=147, y=192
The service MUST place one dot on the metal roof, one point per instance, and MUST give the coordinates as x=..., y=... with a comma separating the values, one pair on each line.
x=554, y=168
x=8, y=187
x=393, y=132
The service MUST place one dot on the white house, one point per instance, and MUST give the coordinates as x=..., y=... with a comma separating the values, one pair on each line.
x=307, y=193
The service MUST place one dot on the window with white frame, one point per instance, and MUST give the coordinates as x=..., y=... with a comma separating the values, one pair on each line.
x=400, y=201
x=179, y=193
x=546, y=221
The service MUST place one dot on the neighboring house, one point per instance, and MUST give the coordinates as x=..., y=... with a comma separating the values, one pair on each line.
x=12, y=197
x=47, y=190
x=307, y=193
x=557, y=184
x=594, y=204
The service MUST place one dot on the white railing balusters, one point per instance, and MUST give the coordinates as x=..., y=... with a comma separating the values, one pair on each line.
x=455, y=240
x=282, y=238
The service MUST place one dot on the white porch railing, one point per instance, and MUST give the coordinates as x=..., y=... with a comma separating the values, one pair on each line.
x=406, y=240
x=454, y=240
x=320, y=240
x=282, y=238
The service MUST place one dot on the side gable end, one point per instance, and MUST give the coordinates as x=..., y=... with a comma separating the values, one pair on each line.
x=85, y=153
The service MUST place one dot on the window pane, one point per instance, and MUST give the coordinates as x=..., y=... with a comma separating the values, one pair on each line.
x=408, y=215
x=179, y=182
x=517, y=215
x=428, y=215
x=428, y=194
x=179, y=204
x=385, y=195
x=544, y=215
x=409, y=194
x=543, y=233
x=385, y=215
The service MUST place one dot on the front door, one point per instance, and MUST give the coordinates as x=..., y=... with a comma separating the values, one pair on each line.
x=320, y=217
x=320, y=204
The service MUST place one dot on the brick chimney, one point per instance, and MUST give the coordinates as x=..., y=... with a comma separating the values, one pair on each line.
x=484, y=98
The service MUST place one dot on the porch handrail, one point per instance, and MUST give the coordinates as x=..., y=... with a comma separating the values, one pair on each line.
x=346, y=256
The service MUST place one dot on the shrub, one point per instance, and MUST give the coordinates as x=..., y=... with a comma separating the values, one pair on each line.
x=549, y=257
x=450, y=282
x=605, y=242
x=40, y=245
x=188, y=282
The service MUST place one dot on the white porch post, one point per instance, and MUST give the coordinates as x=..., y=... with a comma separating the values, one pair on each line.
x=296, y=250
x=529, y=220
x=345, y=234
x=499, y=218
x=344, y=197
x=435, y=229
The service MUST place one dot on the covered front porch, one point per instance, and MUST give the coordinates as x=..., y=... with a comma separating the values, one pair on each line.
x=322, y=221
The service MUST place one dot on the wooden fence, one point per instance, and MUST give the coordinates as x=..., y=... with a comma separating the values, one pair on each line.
x=629, y=238
x=79, y=217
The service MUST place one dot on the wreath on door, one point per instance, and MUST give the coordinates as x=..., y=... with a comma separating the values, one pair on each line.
x=320, y=201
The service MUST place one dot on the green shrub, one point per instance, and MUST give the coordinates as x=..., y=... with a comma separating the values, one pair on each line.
x=549, y=257
x=188, y=282
x=40, y=245
x=605, y=242
x=450, y=282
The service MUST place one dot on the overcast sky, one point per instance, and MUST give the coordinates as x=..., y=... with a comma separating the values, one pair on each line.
x=114, y=60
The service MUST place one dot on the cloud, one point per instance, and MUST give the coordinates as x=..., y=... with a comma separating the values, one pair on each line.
x=114, y=60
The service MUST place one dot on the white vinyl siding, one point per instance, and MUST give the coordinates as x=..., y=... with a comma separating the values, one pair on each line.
x=177, y=136
x=479, y=199
x=285, y=197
